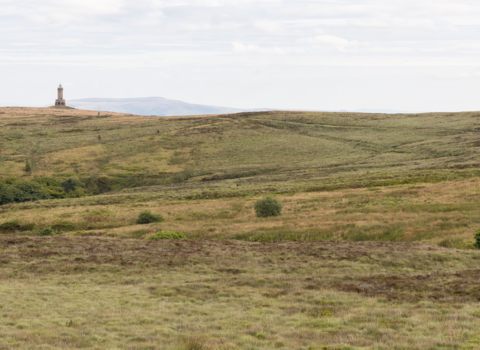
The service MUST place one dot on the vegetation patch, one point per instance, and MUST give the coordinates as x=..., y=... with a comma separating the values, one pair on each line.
x=47, y=231
x=267, y=207
x=167, y=235
x=10, y=226
x=63, y=226
x=147, y=217
x=457, y=287
x=15, y=225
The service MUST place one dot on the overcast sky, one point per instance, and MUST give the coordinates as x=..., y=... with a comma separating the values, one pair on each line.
x=413, y=55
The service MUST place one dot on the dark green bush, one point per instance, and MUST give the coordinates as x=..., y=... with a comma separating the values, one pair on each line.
x=167, y=235
x=146, y=217
x=268, y=206
x=69, y=185
x=10, y=226
x=28, y=166
x=25, y=191
x=47, y=182
x=13, y=191
x=52, y=187
x=477, y=239
x=47, y=231
x=7, y=194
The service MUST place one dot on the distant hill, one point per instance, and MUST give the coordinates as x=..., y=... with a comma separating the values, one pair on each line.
x=382, y=111
x=158, y=106
x=164, y=107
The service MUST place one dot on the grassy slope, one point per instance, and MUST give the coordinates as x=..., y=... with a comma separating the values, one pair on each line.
x=65, y=142
x=295, y=155
x=341, y=177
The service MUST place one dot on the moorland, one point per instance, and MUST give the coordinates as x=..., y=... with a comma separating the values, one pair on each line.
x=374, y=248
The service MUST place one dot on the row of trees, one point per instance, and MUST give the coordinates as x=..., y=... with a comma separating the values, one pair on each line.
x=17, y=191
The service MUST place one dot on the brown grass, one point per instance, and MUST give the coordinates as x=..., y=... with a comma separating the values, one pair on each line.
x=310, y=279
x=427, y=212
x=70, y=292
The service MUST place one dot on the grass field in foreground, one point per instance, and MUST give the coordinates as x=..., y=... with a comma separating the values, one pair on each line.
x=107, y=293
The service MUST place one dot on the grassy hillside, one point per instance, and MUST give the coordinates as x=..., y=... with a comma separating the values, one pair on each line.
x=67, y=143
x=374, y=248
x=340, y=176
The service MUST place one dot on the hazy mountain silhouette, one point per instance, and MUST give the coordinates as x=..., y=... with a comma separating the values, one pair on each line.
x=158, y=106
x=161, y=106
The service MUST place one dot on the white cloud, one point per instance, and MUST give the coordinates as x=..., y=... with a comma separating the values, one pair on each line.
x=268, y=26
x=69, y=42
x=335, y=42
x=241, y=48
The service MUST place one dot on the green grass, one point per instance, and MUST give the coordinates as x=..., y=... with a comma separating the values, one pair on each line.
x=312, y=278
x=71, y=292
x=268, y=146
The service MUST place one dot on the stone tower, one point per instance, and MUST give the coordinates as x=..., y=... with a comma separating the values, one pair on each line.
x=60, y=101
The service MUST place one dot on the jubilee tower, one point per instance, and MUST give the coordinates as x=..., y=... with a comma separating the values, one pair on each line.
x=60, y=101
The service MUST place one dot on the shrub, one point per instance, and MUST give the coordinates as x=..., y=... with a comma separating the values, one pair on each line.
x=167, y=235
x=7, y=194
x=52, y=187
x=477, y=239
x=69, y=185
x=47, y=231
x=78, y=193
x=10, y=226
x=28, y=166
x=25, y=191
x=146, y=217
x=268, y=206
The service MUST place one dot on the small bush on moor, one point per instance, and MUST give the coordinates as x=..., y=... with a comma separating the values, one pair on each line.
x=477, y=239
x=268, y=206
x=47, y=231
x=167, y=235
x=146, y=217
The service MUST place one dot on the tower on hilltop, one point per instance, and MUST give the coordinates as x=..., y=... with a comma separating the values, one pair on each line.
x=60, y=101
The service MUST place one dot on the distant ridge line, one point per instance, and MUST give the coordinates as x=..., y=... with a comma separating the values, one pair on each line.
x=164, y=107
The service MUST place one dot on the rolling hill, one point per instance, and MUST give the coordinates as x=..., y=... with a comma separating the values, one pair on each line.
x=374, y=248
x=122, y=158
